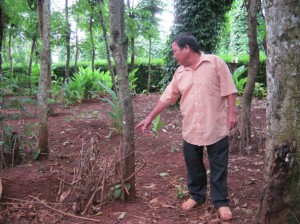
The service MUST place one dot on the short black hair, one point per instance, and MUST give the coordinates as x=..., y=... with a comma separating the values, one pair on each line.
x=184, y=39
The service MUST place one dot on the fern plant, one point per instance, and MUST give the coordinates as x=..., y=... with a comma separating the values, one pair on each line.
x=84, y=85
x=132, y=79
x=74, y=89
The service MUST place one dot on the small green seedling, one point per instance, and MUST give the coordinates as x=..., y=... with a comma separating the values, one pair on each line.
x=157, y=124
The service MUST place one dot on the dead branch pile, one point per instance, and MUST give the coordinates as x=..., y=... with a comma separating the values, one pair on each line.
x=93, y=178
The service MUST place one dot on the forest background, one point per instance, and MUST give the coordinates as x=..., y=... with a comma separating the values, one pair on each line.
x=77, y=41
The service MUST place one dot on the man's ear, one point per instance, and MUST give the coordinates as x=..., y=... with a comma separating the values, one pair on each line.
x=188, y=49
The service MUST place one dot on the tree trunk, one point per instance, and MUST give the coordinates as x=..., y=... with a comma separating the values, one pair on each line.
x=76, y=46
x=118, y=46
x=280, y=197
x=68, y=38
x=33, y=46
x=40, y=16
x=43, y=148
x=91, y=36
x=149, y=66
x=111, y=69
x=1, y=37
x=10, y=53
x=132, y=50
x=252, y=8
x=132, y=39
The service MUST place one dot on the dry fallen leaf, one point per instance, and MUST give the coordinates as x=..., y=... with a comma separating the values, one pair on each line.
x=122, y=216
x=64, y=195
x=154, y=201
x=164, y=205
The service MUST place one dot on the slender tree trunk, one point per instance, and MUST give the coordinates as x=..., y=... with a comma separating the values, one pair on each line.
x=132, y=50
x=280, y=197
x=40, y=9
x=40, y=16
x=149, y=66
x=10, y=53
x=68, y=38
x=111, y=69
x=43, y=146
x=119, y=48
x=33, y=45
x=132, y=39
x=252, y=8
x=91, y=35
x=1, y=38
x=93, y=45
x=76, y=46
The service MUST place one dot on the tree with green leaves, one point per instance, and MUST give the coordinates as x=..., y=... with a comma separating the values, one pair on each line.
x=33, y=34
x=234, y=34
x=106, y=42
x=203, y=19
x=149, y=27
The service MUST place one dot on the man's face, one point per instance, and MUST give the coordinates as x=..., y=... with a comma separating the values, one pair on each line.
x=179, y=54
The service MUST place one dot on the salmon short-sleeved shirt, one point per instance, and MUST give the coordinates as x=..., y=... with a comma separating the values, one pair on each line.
x=203, y=102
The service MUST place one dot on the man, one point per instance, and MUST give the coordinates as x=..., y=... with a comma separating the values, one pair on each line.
x=207, y=104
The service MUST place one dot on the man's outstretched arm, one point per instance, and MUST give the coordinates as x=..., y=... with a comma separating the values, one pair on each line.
x=160, y=107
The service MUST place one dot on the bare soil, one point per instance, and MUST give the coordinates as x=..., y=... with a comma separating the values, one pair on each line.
x=31, y=189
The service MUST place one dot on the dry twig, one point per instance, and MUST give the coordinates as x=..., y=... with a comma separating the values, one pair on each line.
x=64, y=213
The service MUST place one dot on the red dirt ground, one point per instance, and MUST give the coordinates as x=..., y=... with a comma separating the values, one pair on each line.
x=159, y=184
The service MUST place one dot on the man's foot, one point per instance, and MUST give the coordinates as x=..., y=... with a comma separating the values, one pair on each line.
x=189, y=204
x=225, y=213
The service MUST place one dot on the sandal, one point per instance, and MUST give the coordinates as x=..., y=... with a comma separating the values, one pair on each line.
x=189, y=204
x=225, y=213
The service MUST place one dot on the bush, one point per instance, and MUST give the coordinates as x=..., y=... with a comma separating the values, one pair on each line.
x=159, y=75
x=141, y=75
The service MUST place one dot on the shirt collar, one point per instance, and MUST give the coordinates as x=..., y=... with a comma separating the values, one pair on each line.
x=203, y=57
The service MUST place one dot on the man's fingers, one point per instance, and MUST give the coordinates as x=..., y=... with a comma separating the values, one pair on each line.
x=139, y=125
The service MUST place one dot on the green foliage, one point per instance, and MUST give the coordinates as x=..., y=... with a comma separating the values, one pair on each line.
x=146, y=14
x=116, y=116
x=234, y=36
x=181, y=188
x=260, y=91
x=238, y=80
x=118, y=190
x=74, y=89
x=142, y=74
x=12, y=144
x=140, y=77
x=34, y=79
x=203, y=19
x=132, y=79
x=157, y=124
x=83, y=85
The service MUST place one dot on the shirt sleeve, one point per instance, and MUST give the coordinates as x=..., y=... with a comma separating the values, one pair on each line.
x=171, y=93
x=227, y=85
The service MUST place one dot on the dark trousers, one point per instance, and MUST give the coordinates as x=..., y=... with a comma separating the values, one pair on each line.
x=197, y=177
